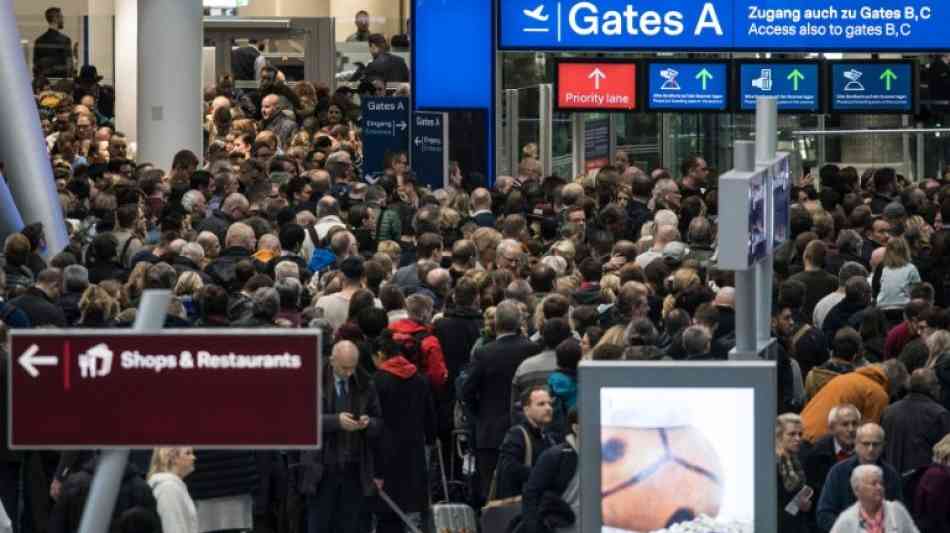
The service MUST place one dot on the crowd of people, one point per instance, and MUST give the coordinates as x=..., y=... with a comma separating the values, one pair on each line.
x=453, y=321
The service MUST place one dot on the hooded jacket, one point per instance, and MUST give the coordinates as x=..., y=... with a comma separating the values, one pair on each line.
x=822, y=374
x=175, y=507
x=408, y=425
x=866, y=388
x=433, y=360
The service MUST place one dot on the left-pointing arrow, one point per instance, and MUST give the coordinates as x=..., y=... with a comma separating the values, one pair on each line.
x=29, y=360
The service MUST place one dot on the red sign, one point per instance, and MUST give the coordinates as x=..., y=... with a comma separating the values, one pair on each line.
x=596, y=86
x=202, y=388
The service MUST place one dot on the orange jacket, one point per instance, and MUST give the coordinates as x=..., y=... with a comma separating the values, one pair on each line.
x=865, y=388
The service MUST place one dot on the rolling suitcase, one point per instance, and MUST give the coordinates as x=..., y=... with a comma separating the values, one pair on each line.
x=451, y=517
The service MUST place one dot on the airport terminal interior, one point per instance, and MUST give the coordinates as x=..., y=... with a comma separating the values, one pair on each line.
x=462, y=266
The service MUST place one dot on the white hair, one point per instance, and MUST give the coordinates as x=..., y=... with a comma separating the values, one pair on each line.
x=190, y=199
x=286, y=270
x=665, y=217
x=863, y=471
x=556, y=263
x=837, y=410
x=193, y=251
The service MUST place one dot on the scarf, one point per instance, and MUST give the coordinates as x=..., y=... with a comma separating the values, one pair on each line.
x=871, y=524
x=791, y=472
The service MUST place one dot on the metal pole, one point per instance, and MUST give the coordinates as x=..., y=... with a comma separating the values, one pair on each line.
x=766, y=142
x=744, y=161
x=100, y=503
x=546, y=132
x=22, y=145
x=577, y=121
x=511, y=132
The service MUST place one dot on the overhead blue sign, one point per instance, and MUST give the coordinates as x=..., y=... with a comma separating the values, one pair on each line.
x=764, y=25
x=430, y=149
x=795, y=85
x=872, y=87
x=446, y=37
x=688, y=86
x=385, y=127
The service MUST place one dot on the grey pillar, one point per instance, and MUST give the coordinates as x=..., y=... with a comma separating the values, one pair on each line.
x=169, y=79
x=766, y=142
x=97, y=514
x=744, y=161
x=22, y=146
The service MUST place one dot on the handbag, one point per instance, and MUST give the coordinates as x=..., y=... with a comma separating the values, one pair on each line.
x=498, y=514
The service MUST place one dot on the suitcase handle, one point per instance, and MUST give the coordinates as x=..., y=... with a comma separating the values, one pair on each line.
x=402, y=516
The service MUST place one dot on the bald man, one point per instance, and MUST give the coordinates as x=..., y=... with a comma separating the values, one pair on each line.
x=339, y=475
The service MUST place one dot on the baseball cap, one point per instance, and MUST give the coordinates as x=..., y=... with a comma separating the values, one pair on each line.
x=675, y=251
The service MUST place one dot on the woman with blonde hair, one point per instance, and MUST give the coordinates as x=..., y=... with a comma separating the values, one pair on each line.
x=187, y=289
x=898, y=273
x=791, y=474
x=136, y=282
x=97, y=308
x=176, y=509
x=681, y=280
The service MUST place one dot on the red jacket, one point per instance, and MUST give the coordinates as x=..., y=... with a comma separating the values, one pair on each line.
x=434, y=361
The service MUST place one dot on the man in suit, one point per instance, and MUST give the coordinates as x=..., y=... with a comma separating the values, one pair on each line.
x=836, y=446
x=336, y=478
x=487, y=391
x=385, y=66
x=53, y=51
x=481, y=208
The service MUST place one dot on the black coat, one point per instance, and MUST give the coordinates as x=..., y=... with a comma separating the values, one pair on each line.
x=487, y=391
x=788, y=523
x=512, y=472
x=817, y=460
x=457, y=331
x=222, y=269
x=133, y=492
x=221, y=473
x=69, y=302
x=182, y=264
x=325, y=461
x=913, y=425
x=552, y=474
x=388, y=67
x=101, y=271
x=485, y=220
x=41, y=310
x=217, y=223
x=408, y=419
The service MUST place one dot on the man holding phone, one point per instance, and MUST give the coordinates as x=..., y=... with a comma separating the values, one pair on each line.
x=336, y=478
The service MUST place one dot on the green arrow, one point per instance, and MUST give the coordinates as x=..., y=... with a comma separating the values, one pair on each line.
x=888, y=76
x=704, y=76
x=796, y=76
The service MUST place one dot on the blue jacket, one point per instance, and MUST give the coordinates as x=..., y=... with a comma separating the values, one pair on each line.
x=837, y=495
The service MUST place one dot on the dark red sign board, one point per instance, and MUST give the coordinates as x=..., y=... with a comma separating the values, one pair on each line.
x=593, y=86
x=202, y=388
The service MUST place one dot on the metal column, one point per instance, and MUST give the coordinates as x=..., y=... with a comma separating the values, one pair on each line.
x=766, y=144
x=22, y=145
x=744, y=161
x=510, y=137
x=546, y=128
x=577, y=144
x=97, y=514
x=169, y=79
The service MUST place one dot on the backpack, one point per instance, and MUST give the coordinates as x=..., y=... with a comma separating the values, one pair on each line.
x=412, y=347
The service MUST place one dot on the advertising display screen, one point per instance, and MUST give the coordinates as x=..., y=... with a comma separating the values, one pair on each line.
x=770, y=25
x=864, y=87
x=781, y=202
x=596, y=86
x=670, y=455
x=681, y=446
x=795, y=85
x=758, y=222
x=688, y=86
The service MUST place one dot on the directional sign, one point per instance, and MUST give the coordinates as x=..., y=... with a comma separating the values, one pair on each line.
x=203, y=388
x=688, y=86
x=594, y=86
x=385, y=126
x=871, y=87
x=430, y=151
x=795, y=85
x=723, y=25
